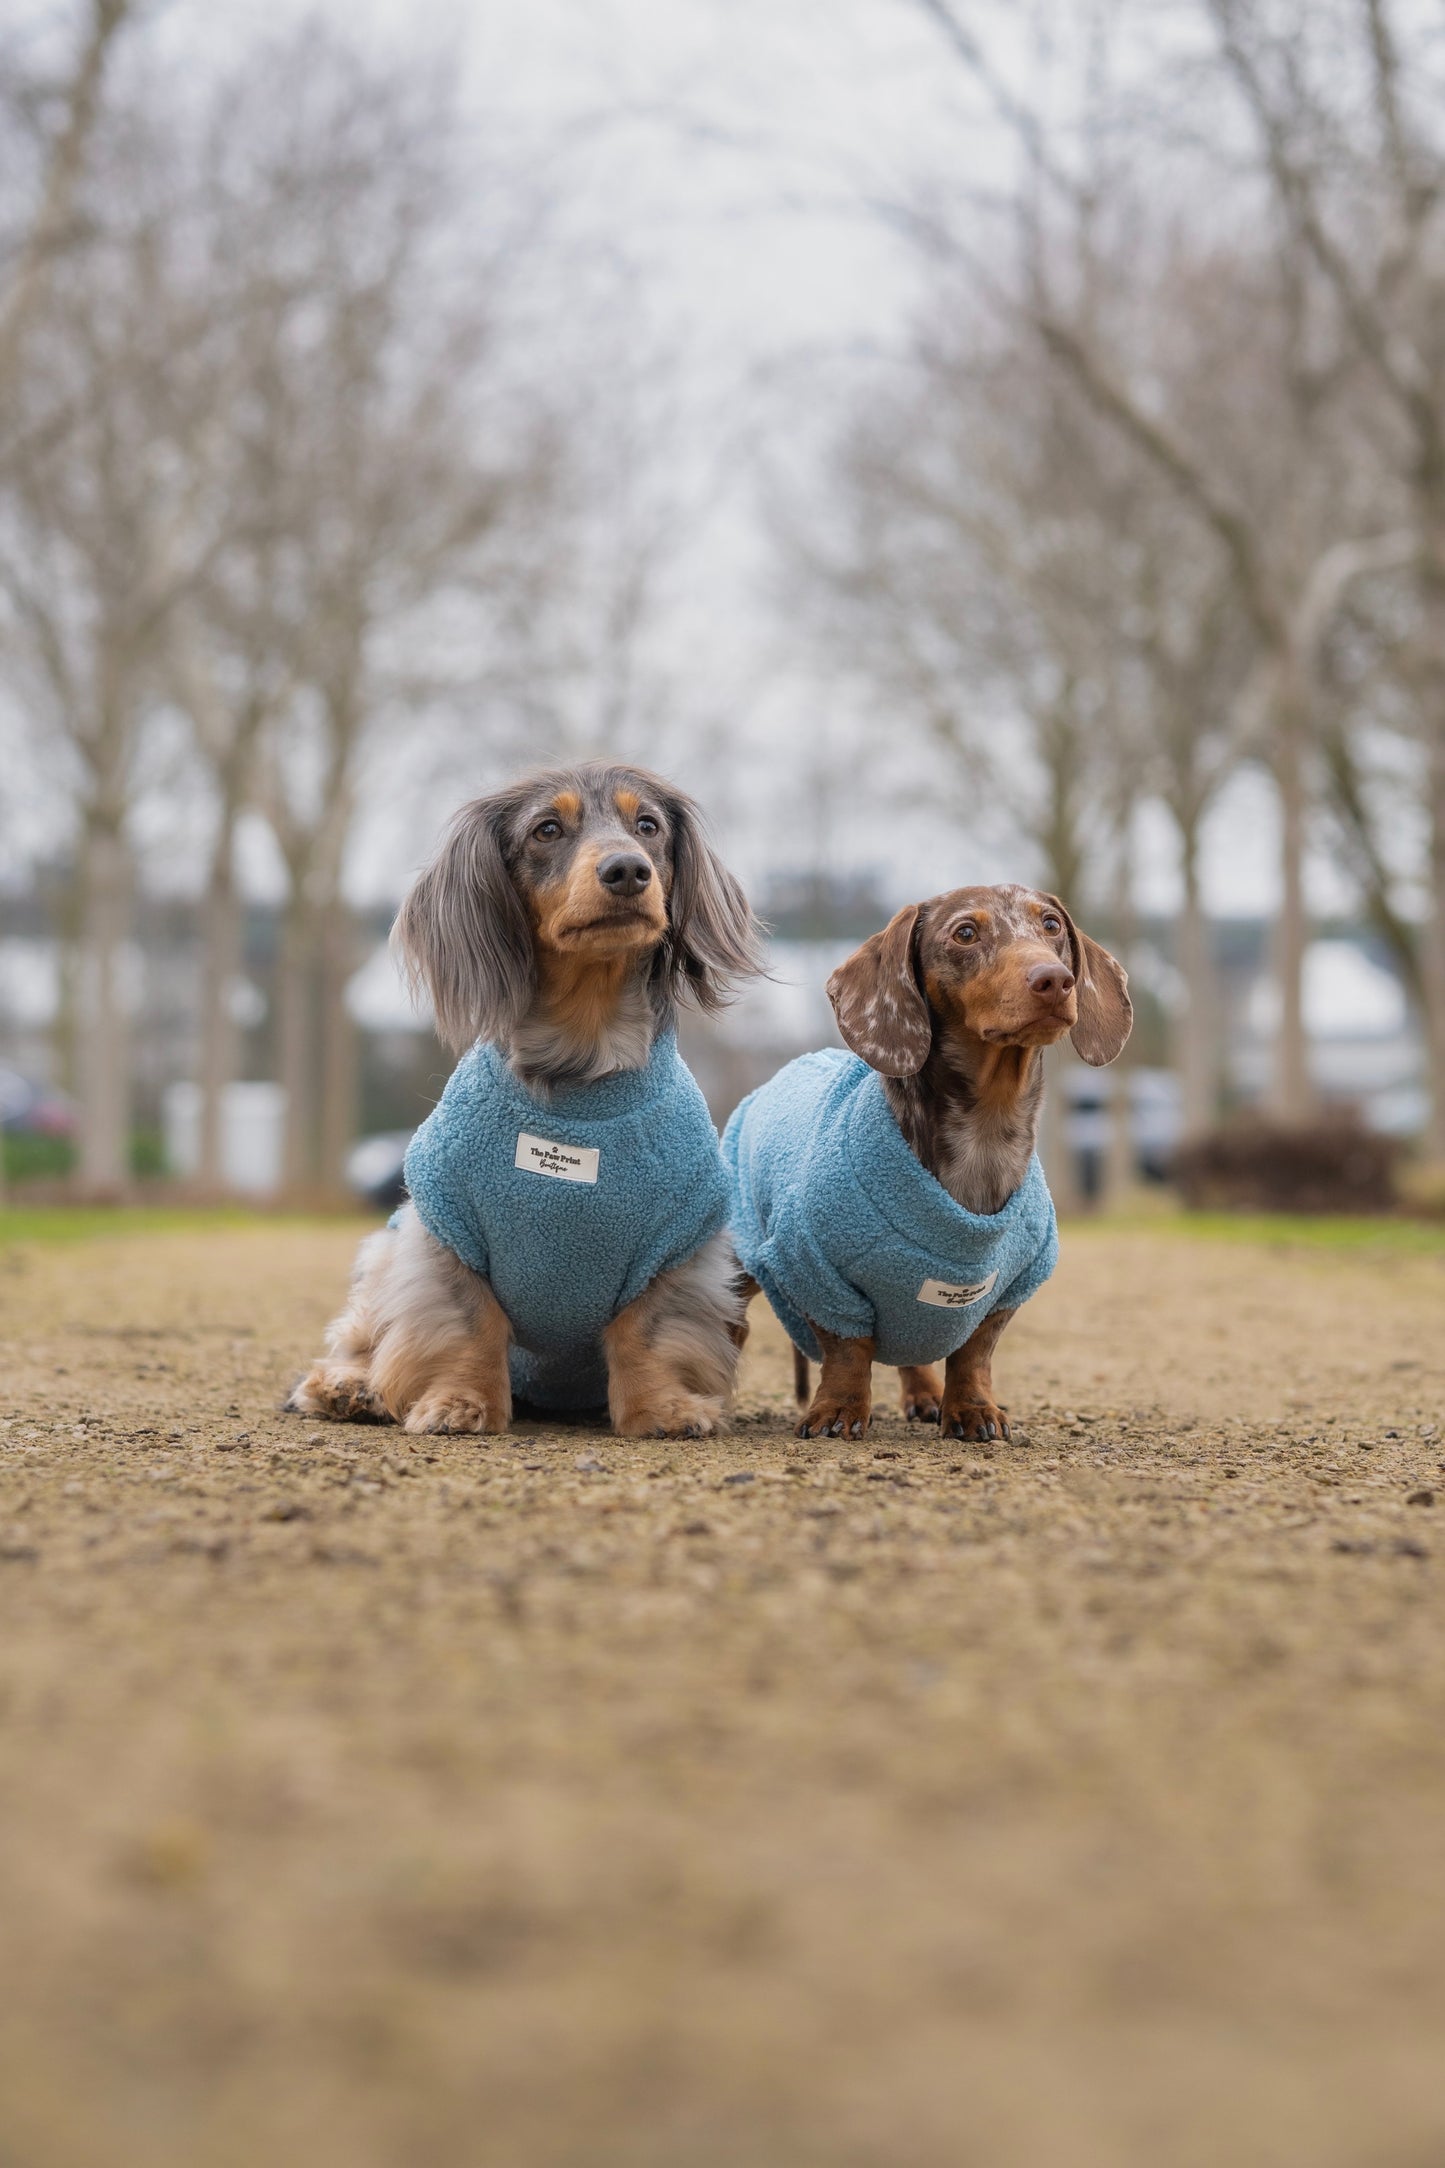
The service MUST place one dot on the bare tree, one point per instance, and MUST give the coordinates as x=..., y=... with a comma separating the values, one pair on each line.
x=972, y=565
x=64, y=117
x=380, y=450
x=56, y=121
x=1113, y=283
x=104, y=528
x=1346, y=100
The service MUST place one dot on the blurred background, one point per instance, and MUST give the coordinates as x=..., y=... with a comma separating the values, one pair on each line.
x=959, y=441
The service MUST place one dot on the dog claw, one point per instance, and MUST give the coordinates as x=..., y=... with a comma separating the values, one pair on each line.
x=818, y=1423
x=974, y=1422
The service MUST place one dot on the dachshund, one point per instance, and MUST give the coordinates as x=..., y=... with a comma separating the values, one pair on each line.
x=556, y=930
x=951, y=1006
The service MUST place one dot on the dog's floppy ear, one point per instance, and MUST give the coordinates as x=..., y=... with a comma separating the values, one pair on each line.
x=879, y=1003
x=463, y=934
x=713, y=938
x=1106, y=1014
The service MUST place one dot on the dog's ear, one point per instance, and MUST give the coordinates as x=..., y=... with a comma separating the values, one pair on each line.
x=1106, y=1014
x=462, y=932
x=879, y=1003
x=713, y=936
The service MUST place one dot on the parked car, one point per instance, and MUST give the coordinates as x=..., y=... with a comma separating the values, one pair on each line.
x=1155, y=1120
x=36, y=1110
x=374, y=1169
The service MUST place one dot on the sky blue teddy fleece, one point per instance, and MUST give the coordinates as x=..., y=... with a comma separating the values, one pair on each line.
x=571, y=1207
x=842, y=1226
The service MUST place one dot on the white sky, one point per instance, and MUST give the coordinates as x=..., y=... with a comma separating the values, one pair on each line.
x=758, y=269
x=751, y=269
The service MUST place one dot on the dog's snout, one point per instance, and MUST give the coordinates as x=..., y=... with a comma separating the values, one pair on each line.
x=625, y=873
x=1048, y=980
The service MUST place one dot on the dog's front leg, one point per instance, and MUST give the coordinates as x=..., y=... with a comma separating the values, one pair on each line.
x=969, y=1408
x=440, y=1337
x=921, y=1389
x=672, y=1355
x=843, y=1404
x=463, y=1384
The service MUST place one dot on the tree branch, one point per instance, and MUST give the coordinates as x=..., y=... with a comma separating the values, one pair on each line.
x=64, y=169
x=1398, y=365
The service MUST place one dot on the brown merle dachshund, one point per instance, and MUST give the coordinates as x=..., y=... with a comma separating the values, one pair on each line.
x=953, y=1003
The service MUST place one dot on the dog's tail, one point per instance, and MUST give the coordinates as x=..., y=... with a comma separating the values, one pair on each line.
x=802, y=1386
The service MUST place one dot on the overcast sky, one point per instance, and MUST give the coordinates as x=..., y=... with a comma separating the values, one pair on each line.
x=714, y=153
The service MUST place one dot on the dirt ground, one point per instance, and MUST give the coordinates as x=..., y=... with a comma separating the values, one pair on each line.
x=557, y=1801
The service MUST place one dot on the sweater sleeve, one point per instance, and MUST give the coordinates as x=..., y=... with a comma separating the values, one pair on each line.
x=820, y=1290
x=1031, y=1275
x=435, y=1175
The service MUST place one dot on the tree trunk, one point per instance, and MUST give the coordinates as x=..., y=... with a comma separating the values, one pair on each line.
x=1292, y=1096
x=220, y=963
x=1118, y=1171
x=103, y=1037
x=65, y=1030
x=1432, y=950
x=1196, y=1037
x=1054, y=1149
x=296, y=1042
x=340, y=1063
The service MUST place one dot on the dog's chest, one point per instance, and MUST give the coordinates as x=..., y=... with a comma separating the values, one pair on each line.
x=980, y=1155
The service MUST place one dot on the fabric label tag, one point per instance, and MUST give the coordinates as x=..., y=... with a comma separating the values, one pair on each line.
x=565, y=1162
x=944, y=1297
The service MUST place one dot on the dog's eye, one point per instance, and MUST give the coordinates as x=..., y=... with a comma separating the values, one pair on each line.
x=647, y=826
x=1053, y=924
x=547, y=831
x=966, y=932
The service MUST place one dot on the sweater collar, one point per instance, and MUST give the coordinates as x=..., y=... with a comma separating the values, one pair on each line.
x=625, y=1091
x=911, y=1199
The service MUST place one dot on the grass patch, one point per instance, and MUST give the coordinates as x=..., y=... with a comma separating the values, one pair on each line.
x=1340, y=1234
x=1343, y=1234
x=83, y=1223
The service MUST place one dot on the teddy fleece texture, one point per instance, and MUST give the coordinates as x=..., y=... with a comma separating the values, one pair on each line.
x=842, y=1226
x=501, y=1179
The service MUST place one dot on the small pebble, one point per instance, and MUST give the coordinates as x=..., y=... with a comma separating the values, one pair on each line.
x=1421, y=1498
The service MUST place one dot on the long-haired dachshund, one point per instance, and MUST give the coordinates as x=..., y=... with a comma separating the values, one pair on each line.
x=565, y=1231
x=890, y=1205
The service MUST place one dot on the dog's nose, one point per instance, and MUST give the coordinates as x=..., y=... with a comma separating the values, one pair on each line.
x=1047, y=980
x=626, y=873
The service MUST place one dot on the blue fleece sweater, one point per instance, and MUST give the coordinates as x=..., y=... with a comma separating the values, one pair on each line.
x=842, y=1226
x=568, y=1208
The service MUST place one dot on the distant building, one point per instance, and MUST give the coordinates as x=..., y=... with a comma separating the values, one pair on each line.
x=1365, y=1045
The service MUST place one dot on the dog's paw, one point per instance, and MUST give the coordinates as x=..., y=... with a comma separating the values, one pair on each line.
x=833, y=1417
x=339, y=1393
x=676, y=1414
x=462, y=1412
x=978, y=1420
x=922, y=1393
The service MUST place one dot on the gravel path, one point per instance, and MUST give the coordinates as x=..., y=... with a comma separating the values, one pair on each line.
x=560, y=1802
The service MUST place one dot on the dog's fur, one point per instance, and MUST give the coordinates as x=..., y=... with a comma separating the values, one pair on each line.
x=562, y=919
x=953, y=1003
